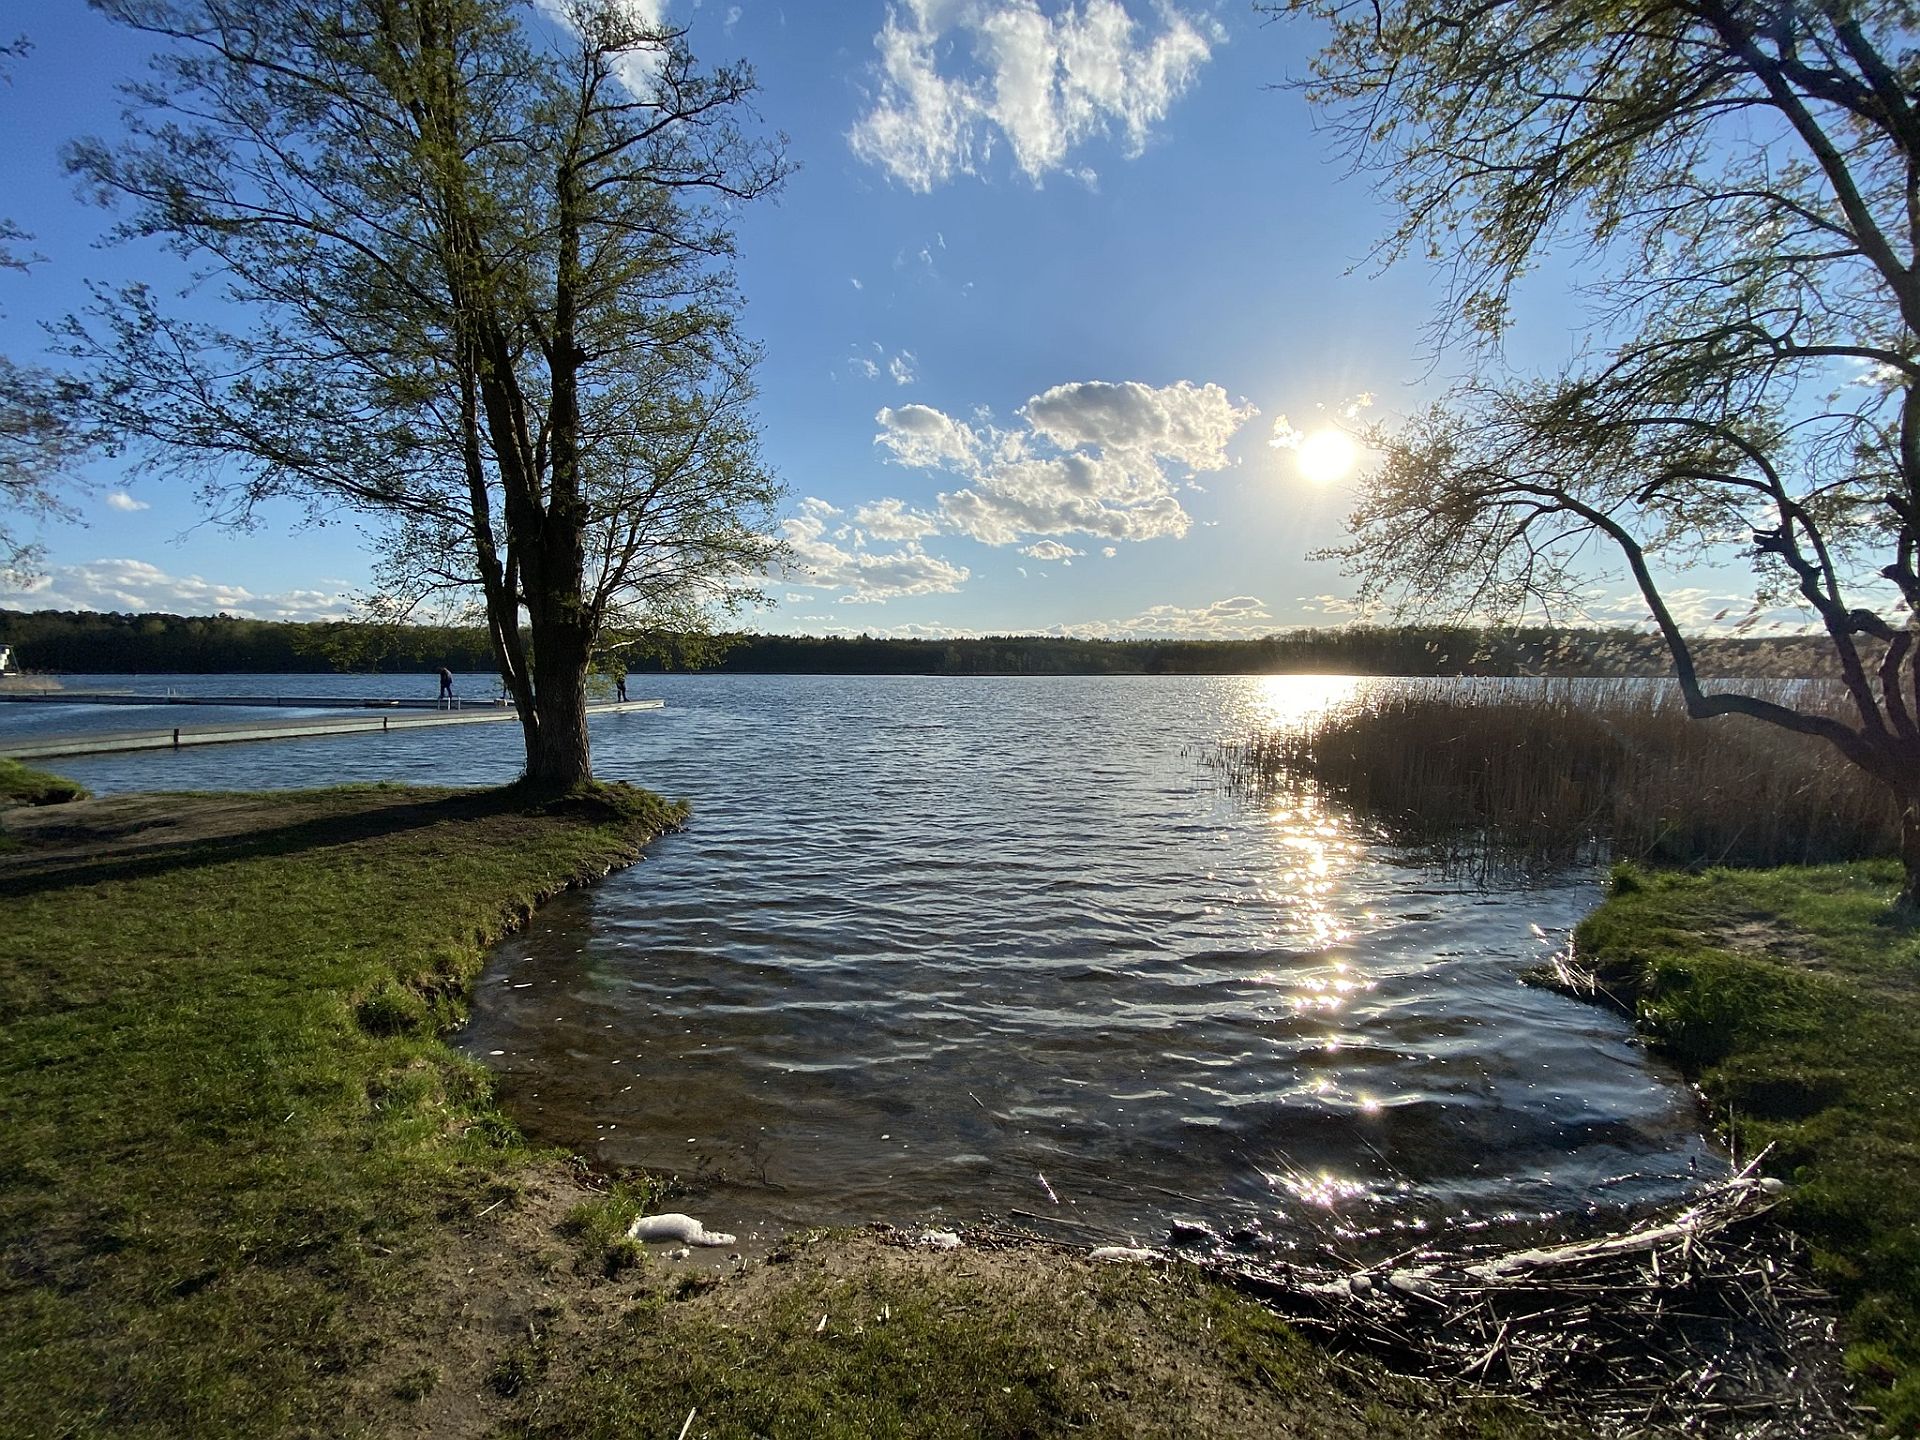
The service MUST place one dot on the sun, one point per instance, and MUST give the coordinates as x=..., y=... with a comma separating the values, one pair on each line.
x=1326, y=456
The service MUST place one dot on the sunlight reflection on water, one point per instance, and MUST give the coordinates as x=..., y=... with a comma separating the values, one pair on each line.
x=927, y=940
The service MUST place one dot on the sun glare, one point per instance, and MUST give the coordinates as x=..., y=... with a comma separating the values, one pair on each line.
x=1326, y=456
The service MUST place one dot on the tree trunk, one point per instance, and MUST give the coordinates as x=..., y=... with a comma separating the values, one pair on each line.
x=558, y=754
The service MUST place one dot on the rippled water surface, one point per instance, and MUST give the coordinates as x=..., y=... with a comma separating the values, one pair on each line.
x=946, y=947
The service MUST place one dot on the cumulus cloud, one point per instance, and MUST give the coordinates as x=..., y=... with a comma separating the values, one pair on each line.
x=121, y=500
x=922, y=437
x=1093, y=458
x=1042, y=85
x=135, y=586
x=1051, y=550
x=1186, y=423
x=890, y=519
x=829, y=555
x=1239, y=617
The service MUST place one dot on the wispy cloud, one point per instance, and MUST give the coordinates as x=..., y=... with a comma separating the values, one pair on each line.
x=1042, y=85
x=134, y=586
x=1239, y=617
x=830, y=554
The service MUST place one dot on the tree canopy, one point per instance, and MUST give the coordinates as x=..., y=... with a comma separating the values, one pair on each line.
x=1737, y=185
x=39, y=438
x=472, y=266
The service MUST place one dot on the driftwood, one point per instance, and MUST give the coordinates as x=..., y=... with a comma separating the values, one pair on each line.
x=1705, y=1323
x=1702, y=1322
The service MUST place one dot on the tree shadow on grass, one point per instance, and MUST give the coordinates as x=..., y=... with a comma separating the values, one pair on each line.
x=154, y=835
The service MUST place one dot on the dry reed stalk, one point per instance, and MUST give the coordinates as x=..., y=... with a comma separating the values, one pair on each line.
x=1546, y=772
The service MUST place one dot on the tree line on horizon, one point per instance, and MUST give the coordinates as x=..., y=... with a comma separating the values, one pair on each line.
x=88, y=642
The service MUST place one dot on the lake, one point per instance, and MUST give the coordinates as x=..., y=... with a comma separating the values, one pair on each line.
x=939, y=949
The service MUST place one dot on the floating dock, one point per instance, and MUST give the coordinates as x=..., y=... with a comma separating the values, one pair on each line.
x=180, y=737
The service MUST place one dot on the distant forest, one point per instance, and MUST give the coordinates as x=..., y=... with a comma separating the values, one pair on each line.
x=84, y=642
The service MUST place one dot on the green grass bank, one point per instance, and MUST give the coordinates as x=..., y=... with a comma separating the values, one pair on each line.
x=247, y=1190
x=23, y=785
x=1792, y=996
x=231, y=1132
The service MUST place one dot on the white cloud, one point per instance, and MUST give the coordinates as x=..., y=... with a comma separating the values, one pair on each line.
x=1239, y=617
x=830, y=625
x=137, y=587
x=1042, y=84
x=121, y=500
x=857, y=283
x=902, y=368
x=1051, y=550
x=1344, y=609
x=1093, y=459
x=1109, y=551
x=890, y=519
x=638, y=69
x=1706, y=611
x=861, y=576
x=1186, y=423
x=922, y=437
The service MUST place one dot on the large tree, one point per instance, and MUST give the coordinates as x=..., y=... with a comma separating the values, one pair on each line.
x=1739, y=186
x=463, y=271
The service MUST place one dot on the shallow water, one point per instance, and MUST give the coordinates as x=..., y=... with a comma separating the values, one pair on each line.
x=948, y=948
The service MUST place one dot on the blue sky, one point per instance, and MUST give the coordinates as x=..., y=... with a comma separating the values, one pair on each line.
x=1048, y=275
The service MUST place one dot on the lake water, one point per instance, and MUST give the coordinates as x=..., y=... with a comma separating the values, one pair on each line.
x=952, y=948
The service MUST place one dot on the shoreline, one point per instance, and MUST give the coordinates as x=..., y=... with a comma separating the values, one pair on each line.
x=369, y=1275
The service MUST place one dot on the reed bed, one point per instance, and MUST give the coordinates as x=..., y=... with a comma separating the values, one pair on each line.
x=1558, y=771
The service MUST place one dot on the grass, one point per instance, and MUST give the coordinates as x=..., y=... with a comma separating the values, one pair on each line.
x=230, y=1125
x=1552, y=771
x=845, y=1337
x=1793, y=996
x=21, y=785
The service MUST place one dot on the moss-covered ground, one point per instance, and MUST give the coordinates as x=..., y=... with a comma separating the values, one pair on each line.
x=1793, y=997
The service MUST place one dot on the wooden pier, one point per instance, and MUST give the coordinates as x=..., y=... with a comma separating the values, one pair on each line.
x=180, y=737
x=272, y=702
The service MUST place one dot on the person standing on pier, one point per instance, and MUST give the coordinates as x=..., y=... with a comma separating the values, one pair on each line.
x=446, y=686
